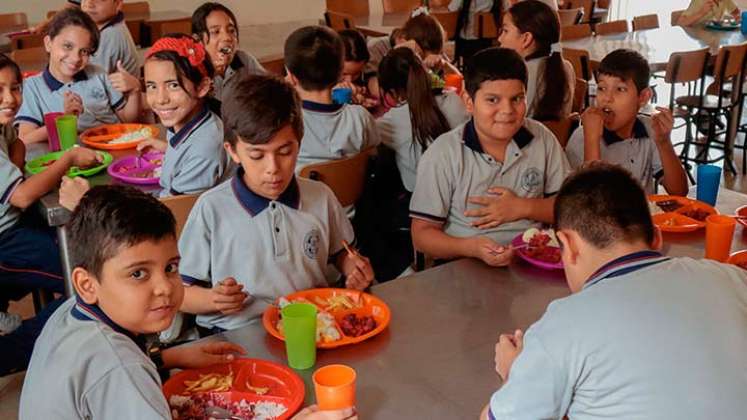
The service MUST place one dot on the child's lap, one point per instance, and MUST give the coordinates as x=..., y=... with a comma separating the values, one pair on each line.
x=30, y=245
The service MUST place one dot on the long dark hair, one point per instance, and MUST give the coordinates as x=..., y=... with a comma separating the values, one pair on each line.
x=543, y=23
x=402, y=74
x=463, y=16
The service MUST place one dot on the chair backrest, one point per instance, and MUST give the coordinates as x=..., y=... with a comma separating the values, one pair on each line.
x=274, y=64
x=686, y=66
x=180, y=206
x=13, y=21
x=675, y=16
x=570, y=17
x=338, y=20
x=351, y=7
x=580, y=93
x=580, y=61
x=562, y=128
x=21, y=42
x=729, y=68
x=614, y=27
x=604, y=4
x=51, y=13
x=486, y=26
x=181, y=25
x=30, y=59
x=449, y=22
x=575, y=32
x=346, y=177
x=136, y=7
x=586, y=5
x=392, y=6
x=645, y=22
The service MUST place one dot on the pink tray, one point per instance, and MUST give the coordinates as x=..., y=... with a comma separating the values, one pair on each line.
x=126, y=169
x=518, y=241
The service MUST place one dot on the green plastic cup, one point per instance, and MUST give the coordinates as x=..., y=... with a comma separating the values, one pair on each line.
x=67, y=131
x=299, y=328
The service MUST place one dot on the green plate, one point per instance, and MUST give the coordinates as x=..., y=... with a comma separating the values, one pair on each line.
x=37, y=165
x=718, y=26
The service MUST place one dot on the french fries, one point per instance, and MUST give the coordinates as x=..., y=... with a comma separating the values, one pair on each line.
x=211, y=382
x=334, y=303
x=255, y=389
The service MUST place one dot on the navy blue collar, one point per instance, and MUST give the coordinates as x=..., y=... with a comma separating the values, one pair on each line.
x=625, y=265
x=319, y=107
x=522, y=137
x=119, y=17
x=236, y=63
x=639, y=132
x=189, y=127
x=254, y=204
x=54, y=84
x=85, y=312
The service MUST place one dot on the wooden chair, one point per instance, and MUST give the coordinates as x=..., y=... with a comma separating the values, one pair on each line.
x=614, y=27
x=51, y=13
x=180, y=206
x=675, y=16
x=581, y=63
x=645, y=22
x=10, y=22
x=563, y=128
x=346, y=177
x=30, y=59
x=136, y=7
x=580, y=95
x=393, y=6
x=274, y=64
x=137, y=27
x=449, y=22
x=339, y=21
x=586, y=5
x=158, y=29
x=350, y=7
x=575, y=32
x=486, y=26
x=569, y=17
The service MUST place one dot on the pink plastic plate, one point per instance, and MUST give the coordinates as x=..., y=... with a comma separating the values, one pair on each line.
x=126, y=169
x=518, y=241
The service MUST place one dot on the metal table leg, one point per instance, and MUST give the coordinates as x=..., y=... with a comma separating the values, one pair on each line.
x=67, y=268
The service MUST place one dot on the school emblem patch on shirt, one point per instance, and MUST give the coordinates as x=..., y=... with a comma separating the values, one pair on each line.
x=98, y=94
x=531, y=180
x=311, y=243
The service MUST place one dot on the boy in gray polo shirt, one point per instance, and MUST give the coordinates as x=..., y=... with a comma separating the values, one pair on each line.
x=643, y=336
x=612, y=130
x=91, y=362
x=314, y=59
x=116, y=46
x=491, y=178
x=265, y=233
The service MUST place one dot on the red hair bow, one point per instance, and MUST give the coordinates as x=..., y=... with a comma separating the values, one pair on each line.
x=185, y=47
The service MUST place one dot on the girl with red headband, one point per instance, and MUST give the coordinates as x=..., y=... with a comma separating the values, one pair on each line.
x=178, y=77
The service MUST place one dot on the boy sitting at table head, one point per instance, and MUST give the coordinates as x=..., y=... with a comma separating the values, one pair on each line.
x=612, y=130
x=491, y=178
x=646, y=329
x=265, y=233
x=314, y=61
x=90, y=361
x=117, y=50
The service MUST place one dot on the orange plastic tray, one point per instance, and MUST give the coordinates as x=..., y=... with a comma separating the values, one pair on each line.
x=738, y=258
x=742, y=212
x=285, y=386
x=678, y=220
x=99, y=137
x=372, y=306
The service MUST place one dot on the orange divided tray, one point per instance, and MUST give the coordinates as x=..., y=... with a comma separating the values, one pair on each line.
x=738, y=258
x=690, y=216
x=370, y=306
x=283, y=387
x=742, y=213
x=99, y=137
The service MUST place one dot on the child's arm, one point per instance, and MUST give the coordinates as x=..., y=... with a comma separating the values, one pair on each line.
x=17, y=154
x=356, y=268
x=30, y=133
x=430, y=238
x=690, y=17
x=128, y=85
x=503, y=206
x=675, y=179
x=592, y=122
x=198, y=355
x=227, y=297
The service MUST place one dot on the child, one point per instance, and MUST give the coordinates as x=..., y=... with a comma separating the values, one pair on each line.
x=488, y=180
x=416, y=116
x=92, y=354
x=642, y=335
x=70, y=85
x=612, y=130
x=532, y=29
x=215, y=26
x=266, y=233
x=177, y=80
x=116, y=47
x=313, y=58
x=356, y=58
x=702, y=11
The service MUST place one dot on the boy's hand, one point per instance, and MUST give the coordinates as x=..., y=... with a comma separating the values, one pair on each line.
x=83, y=157
x=501, y=206
x=72, y=190
x=199, y=355
x=662, y=123
x=433, y=62
x=313, y=413
x=507, y=349
x=228, y=296
x=151, y=143
x=490, y=252
x=72, y=103
x=357, y=270
x=123, y=81
x=593, y=122
x=708, y=5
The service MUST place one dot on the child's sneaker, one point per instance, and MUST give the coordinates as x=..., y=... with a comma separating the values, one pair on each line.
x=9, y=322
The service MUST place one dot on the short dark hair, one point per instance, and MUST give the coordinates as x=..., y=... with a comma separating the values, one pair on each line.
x=200, y=15
x=426, y=31
x=73, y=16
x=493, y=64
x=605, y=205
x=7, y=62
x=355, y=45
x=313, y=54
x=115, y=216
x=258, y=107
x=627, y=65
x=184, y=69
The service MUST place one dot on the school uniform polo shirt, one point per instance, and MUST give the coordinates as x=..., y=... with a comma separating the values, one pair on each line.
x=334, y=131
x=242, y=65
x=272, y=247
x=85, y=366
x=195, y=159
x=10, y=177
x=455, y=167
x=116, y=44
x=722, y=8
x=395, y=131
x=43, y=93
x=378, y=47
x=648, y=337
x=637, y=154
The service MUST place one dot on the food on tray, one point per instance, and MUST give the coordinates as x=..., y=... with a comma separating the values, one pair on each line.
x=742, y=264
x=542, y=245
x=336, y=302
x=48, y=163
x=669, y=205
x=696, y=213
x=211, y=382
x=326, y=331
x=256, y=389
x=131, y=136
x=355, y=326
x=194, y=407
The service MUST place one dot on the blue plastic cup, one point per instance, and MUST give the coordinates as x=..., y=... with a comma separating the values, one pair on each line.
x=744, y=22
x=709, y=178
x=342, y=95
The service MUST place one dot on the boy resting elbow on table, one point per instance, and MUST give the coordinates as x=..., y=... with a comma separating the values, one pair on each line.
x=614, y=132
x=486, y=181
x=640, y=331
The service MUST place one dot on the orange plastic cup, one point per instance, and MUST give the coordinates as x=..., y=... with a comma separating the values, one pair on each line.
x=335, y=387
x=453, y=81
x=719, y=234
